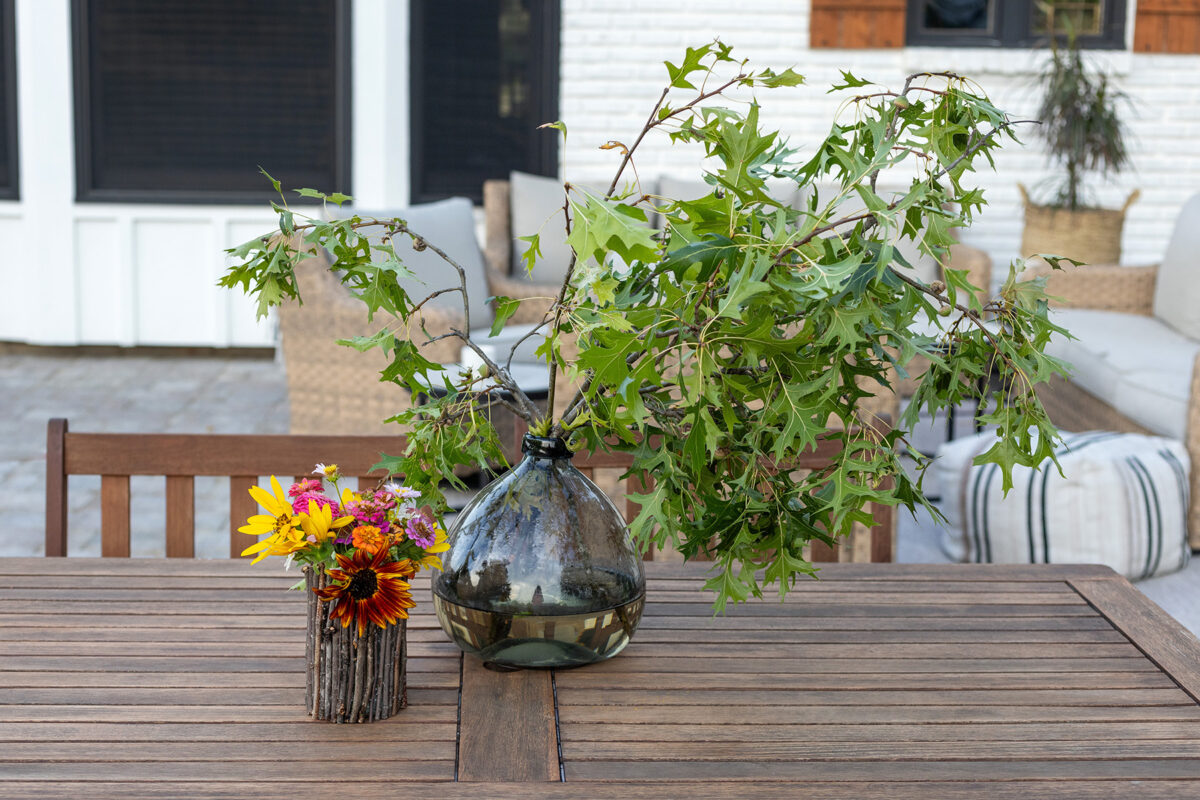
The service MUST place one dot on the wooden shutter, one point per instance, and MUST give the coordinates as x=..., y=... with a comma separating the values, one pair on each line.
x=1167, y=26
x=857, y=23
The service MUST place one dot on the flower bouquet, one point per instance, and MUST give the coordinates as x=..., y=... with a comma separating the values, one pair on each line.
x=359, y=551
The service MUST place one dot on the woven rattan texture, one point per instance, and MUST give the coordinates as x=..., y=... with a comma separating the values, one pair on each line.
x=1102, y=287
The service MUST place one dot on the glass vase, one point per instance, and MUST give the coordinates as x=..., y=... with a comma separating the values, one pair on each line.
x=541, y=570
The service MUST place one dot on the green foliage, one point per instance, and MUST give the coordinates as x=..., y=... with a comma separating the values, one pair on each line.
x=746, y=334
x=1080, y=122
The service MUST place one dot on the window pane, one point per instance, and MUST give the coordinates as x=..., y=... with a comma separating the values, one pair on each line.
x=190, y=97
x=957, y=15
x=1083, y=17
x=484, y=77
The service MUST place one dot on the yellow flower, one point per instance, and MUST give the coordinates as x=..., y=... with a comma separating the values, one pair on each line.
x=283, y=525
x=432, y=561
x=318, y=523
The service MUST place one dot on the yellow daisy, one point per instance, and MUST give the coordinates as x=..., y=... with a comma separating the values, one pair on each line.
x=432, y=561
x=280, y=522
x=319, y=523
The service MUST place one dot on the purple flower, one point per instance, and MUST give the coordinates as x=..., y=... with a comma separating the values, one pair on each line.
x=421, y=530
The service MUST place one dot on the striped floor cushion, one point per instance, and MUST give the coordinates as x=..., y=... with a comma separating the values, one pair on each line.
x=1122, y=501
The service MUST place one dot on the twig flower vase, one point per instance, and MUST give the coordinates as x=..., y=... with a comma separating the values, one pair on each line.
x=541, y=570
x=351, y=676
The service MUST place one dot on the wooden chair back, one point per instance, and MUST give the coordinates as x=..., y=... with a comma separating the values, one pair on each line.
x=245, y=458
x=181, y=458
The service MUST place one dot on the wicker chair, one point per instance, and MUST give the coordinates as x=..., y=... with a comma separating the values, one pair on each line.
x=333, y=390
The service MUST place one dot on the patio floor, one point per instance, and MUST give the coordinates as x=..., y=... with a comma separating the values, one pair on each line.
x=132, y=393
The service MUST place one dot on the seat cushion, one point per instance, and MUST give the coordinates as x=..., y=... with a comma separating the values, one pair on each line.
x=1138, y=365
x=1177, y=288
x=449, y=225
x=536, y=206
x=1121, y=500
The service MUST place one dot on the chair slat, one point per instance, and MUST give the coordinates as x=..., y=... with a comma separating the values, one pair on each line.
x=822, y=553
x=881, y=534
x=241, y=506
x=56, y=488
x=181, y=516
x=114, y=516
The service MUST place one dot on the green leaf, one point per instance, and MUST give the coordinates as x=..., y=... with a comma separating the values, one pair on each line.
x=532, y=253
x=504, y=307
x=601, y=226
x=362, y=344
x=771, y=79
x=274, y=183
x=557, y=125
x=848, y=82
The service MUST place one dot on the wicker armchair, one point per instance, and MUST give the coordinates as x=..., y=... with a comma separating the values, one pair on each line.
x=333, y=390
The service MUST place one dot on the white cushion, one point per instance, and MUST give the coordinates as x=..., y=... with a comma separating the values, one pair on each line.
x=1136, y=364
x=1177, y=288
x=536, y=206
x=1122, y=503
x=450, y=225
x=498, y=346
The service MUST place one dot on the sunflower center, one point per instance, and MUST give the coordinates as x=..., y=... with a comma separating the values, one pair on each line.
x=363, y=585
x=284, y=520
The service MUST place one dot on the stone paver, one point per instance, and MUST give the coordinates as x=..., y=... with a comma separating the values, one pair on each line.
x=125, y=394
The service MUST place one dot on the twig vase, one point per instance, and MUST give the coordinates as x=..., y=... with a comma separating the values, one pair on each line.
x=351, y=677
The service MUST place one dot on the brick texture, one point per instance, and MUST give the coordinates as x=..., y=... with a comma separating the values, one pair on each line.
x=612, y=54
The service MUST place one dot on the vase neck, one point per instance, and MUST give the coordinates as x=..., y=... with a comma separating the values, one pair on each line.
x=545, y=447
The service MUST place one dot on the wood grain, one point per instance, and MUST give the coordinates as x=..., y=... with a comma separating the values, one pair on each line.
x=181, y=516
x=165, y=678
x=508, y=730
x=114, y=516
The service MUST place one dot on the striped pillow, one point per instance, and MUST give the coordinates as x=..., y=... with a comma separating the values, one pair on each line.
x=1121, y=500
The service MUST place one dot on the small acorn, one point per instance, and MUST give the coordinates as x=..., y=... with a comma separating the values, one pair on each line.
x=419, y=244
x=938, y=286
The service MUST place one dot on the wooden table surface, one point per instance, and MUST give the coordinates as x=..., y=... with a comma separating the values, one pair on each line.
x=180, y=678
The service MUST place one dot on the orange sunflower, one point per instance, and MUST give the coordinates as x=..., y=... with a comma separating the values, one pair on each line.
x=369, y=588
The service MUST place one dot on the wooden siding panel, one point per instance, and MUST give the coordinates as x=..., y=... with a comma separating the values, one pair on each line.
x=1167, y=26
x=857, y=24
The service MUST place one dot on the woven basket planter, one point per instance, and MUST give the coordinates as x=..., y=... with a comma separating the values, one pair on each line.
x=352, y=677
x=1090, y=235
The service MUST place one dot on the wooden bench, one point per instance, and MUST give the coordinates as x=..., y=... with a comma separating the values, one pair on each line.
x=245, y=458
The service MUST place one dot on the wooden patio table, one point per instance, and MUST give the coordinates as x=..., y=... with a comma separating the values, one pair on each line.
x=155, y=678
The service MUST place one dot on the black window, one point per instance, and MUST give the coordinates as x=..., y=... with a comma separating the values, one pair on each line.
x=183, y=100
x=1015, y=23
x=9, y=187
x=484, y=76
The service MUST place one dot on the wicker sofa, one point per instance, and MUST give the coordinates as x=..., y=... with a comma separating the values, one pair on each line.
x=1136, y=355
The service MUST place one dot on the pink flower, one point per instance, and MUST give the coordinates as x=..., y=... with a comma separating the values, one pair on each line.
x=373, y=509
x=300, y=502
x=305, y=485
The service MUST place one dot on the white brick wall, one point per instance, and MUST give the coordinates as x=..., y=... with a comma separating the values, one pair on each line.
x=612, y=54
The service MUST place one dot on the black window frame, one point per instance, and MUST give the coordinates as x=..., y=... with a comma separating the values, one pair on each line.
x=8, y=40
x=546, y=144
x=86, y=192
x=1012, y=22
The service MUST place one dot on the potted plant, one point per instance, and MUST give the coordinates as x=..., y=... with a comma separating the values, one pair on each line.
x=716, y=350
x=1083, y=131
